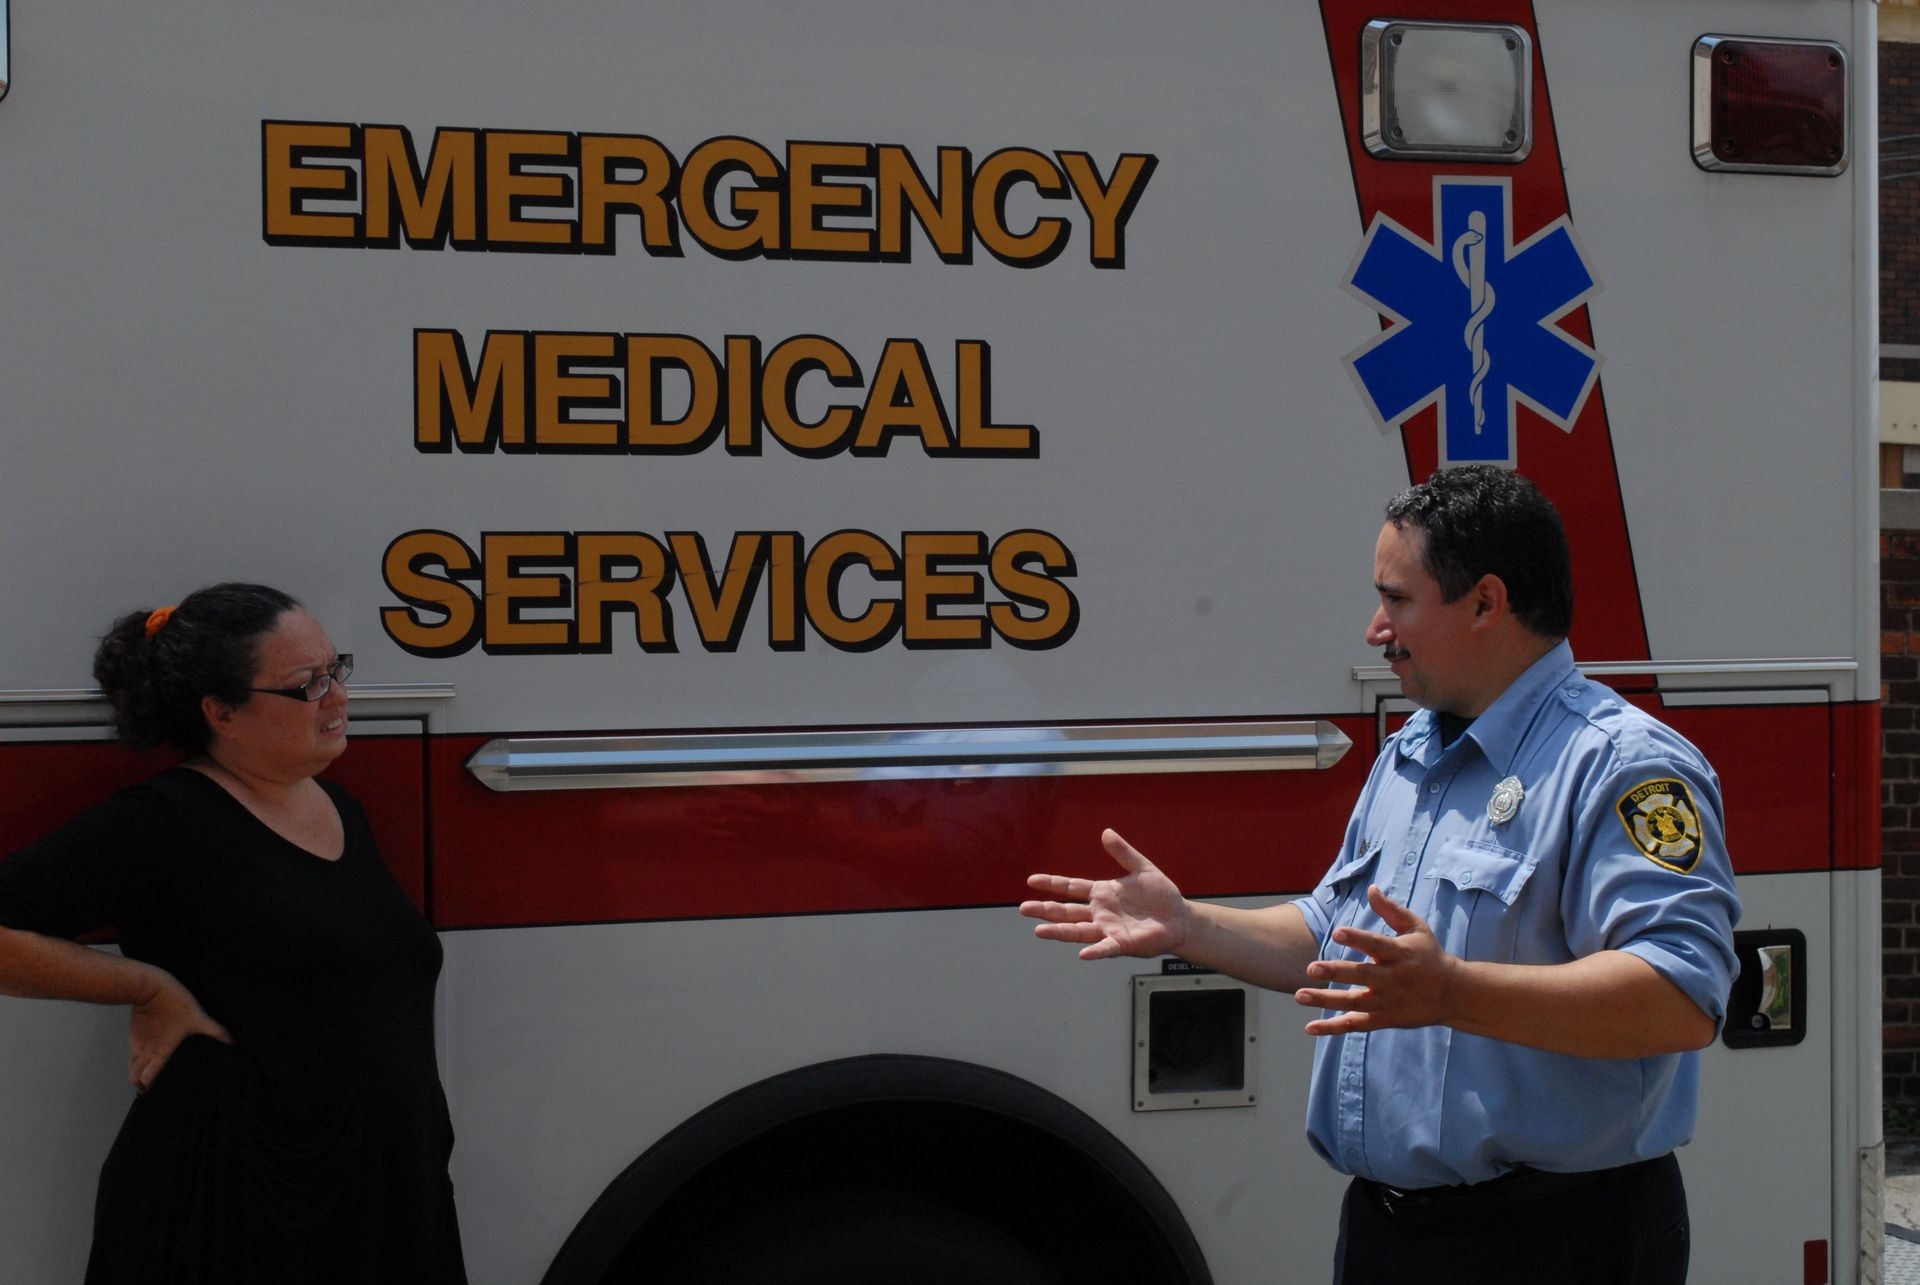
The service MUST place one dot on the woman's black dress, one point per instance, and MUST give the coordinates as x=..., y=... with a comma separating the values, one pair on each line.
x=314, y=1148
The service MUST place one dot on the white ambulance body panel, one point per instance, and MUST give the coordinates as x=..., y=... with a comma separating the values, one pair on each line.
x=189, y=396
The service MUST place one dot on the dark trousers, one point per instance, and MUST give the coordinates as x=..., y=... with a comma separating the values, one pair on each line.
x=1625, y=1226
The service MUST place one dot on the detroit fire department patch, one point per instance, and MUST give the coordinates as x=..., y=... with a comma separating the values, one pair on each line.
x=1663, y=823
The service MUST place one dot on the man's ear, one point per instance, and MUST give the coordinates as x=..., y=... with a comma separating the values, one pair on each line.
x=1489, y=601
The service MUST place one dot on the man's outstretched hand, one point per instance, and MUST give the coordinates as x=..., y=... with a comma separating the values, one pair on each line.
x=1406, y=979
x=1141, y=913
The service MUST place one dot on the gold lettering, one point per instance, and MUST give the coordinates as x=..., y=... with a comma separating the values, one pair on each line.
x=558, y=389
x=928, y=587
x=1059, y=610
x=779, y=385
x=405, y=570
x=602, y=195
x=903, y=399
x=511, y=190
x=601, y=593
x=1111, y=205
x=288, y=181
x=828, y=561
x=809, y=198
x=997, y=175
x=487, y=410
x=646, y=355
x=719, y=610
x=508, y=590
x=900, y=188
x=442, y=201
x=700, y=179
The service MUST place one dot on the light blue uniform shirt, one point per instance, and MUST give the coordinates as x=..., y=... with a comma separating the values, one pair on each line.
x=1617, y=844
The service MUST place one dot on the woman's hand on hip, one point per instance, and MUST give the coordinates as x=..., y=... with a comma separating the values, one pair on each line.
x=160, y=1023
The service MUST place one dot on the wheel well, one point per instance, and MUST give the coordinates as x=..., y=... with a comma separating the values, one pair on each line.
x=983, y=1143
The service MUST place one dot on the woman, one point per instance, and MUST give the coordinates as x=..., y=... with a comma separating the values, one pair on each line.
x=290, y=1124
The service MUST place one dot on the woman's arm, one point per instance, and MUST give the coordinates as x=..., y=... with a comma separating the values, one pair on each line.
x=33, y=966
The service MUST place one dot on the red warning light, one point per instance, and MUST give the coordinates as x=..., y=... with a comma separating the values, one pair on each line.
x=1769, y=106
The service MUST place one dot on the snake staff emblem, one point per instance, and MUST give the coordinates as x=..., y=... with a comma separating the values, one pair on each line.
x=1434, y=295
x=1470, y=265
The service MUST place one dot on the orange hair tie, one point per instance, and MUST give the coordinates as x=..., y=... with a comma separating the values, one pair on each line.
x=157, y=620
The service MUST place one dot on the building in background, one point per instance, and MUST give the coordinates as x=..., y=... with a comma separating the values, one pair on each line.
x=1899, y=156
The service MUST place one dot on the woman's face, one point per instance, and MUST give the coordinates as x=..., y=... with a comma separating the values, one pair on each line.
x=276, y=736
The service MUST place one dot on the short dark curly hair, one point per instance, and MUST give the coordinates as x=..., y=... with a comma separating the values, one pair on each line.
x=1481, y=520
x=208, y=646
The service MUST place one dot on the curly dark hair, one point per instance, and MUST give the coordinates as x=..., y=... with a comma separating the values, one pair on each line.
x=207, y=647
x=1481, y=520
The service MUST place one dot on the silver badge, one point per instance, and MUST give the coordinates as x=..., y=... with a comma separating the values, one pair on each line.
x=1505, y=801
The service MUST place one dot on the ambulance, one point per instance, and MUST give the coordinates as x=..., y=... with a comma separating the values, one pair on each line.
x=785, y=472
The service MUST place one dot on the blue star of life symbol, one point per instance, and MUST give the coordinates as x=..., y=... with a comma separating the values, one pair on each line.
x=1473, y=322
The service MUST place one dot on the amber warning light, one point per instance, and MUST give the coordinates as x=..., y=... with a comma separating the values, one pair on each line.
x=1769, y=106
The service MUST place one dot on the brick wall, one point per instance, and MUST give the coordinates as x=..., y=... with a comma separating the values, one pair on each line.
x=1900, y=203
x=1899, y=68
x=1900, y=813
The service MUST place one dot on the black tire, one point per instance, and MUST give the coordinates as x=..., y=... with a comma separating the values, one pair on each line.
x=859, y=1236
x=883, y=1168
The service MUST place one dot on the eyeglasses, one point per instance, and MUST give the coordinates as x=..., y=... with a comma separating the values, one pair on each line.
x=317, y=686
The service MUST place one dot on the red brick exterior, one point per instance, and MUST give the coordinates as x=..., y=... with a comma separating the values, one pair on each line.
x=1900, y=203
x=1899, y=69
x=1900, y=813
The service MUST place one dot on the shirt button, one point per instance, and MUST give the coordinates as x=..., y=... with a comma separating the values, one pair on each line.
x=1434, y=788
x=1409, y=858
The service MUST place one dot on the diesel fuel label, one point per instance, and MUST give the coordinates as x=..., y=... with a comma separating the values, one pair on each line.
x=508, y=590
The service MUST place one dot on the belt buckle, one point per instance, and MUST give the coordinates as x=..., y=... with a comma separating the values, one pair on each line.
x=1394, y=1202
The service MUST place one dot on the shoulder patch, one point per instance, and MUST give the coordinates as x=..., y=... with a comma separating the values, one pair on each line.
x=1663, y=822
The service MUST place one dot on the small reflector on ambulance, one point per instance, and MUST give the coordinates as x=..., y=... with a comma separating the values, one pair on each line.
x=1764, y=106
x=1446, y=91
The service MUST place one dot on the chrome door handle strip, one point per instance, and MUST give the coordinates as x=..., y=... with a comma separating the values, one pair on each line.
x=627, y=762
x=94, y=696
x=1701, y=668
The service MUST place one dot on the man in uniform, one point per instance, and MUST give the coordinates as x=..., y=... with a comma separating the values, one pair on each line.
x=1526, y=937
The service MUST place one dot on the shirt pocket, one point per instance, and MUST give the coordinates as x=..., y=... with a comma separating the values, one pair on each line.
x=1342, y=895
x=1341, y=879
x=1476, y=885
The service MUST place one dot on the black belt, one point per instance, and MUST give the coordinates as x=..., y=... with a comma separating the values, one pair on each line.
x=1511, y=1193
